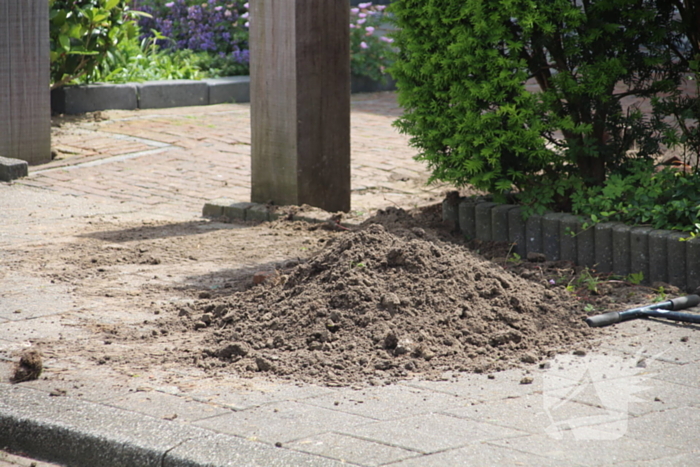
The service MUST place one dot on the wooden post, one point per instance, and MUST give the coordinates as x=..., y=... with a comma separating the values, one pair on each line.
x=300, y=102
x=25, y=101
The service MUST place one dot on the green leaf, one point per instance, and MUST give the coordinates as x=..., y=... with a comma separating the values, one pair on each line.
x=111, y=4
x=64, y=41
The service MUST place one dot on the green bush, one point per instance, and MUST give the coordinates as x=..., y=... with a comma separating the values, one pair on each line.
x=461, y=75
x=84, y=33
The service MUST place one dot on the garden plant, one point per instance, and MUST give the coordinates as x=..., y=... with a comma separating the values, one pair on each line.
x=527, y=98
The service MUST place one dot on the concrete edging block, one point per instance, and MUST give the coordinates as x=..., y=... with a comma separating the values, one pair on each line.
x=175, y=93
x=551, y=235
x=467, y=217
x=12, y=169
x=568, y=232
x=483, y=220
x=603, y=240
x=621, y=249
x=585, y=245
x=658, y=256
x=93, y=97
x=499, y=222
x=215, y=208
x=533, y=234
x=639, y=251
x=228, y=90
x=692, y=248
x=238, y=210
x=676, y=257
x=516, y=231
x=450, y=211
x=258, y=212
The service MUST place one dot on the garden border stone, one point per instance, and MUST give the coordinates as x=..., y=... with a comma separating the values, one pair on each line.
x=172, y=93
x=12, y=169
x=607, y=247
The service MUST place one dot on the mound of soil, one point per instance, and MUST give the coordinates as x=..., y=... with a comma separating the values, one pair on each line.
x=378, y=305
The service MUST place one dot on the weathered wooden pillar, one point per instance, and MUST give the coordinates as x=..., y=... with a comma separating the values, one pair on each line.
x=25, y=101
x=300, y=102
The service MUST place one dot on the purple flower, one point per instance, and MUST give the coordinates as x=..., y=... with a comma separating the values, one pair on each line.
x=218, y=8
x=354, y=11
x=380, y=7
x=227, y=13
x=386, y=39
x=552, y=282
x=362, y=15
x=170, y=4
x=365, y=5
x=361, y=21
x=370, y=30
x=363, y=45
x=245, y=15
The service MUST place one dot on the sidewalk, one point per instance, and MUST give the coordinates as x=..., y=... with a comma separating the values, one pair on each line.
x=633, y=402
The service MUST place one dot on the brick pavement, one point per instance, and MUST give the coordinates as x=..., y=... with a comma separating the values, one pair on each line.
x=180, y=158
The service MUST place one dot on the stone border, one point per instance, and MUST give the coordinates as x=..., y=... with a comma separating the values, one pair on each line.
x=243, y=211
x=608, y=247
x=12, y=169
x=171, y=93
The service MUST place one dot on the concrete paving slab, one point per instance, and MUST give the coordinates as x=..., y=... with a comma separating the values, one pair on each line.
x=281, y=422
x=479, y=388
x=166, y=406
x=228, y=451
x=654, y=427
x=481, y=455
x=351, y=449
x=683, y=460
x=25, y=297
x=687, y=375
x=430, y=433
x=536, y=414
x=250, y=394
x=591, y=448
x=385, y=403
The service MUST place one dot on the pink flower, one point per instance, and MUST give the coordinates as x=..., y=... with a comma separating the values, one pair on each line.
x=365, y=5
x=354, y=11
x=170, y=4
x=246, y=6
x=245, y=15
x=218, y=8
x=370, y=30
x=247, y=24
x=380, y=7
x=362, y=15
x=363, y=45
x=227, y=13
x=360, y=21
x=386, y=39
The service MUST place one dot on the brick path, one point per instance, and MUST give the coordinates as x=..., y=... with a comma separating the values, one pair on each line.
x=177, y=159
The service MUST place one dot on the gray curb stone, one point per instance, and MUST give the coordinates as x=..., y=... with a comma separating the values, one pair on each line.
x=229, y=89
x=585, y=245
x=568, y=237
x=175, y=93
x=238, y=210
x=533, y=233
x=85, y=434
x=516, y=231
x=483, y=221
x=467, y=217
x=12, y=169
x=621, y=249
x=692, y=248
x=658, y=256
x=450, y=212
x=604, y=246
x=551, y=235
x=639, y=251
x=215, y=208
x=677, y=259
x=259, y=212
x=94, y=97
x=499, y=222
